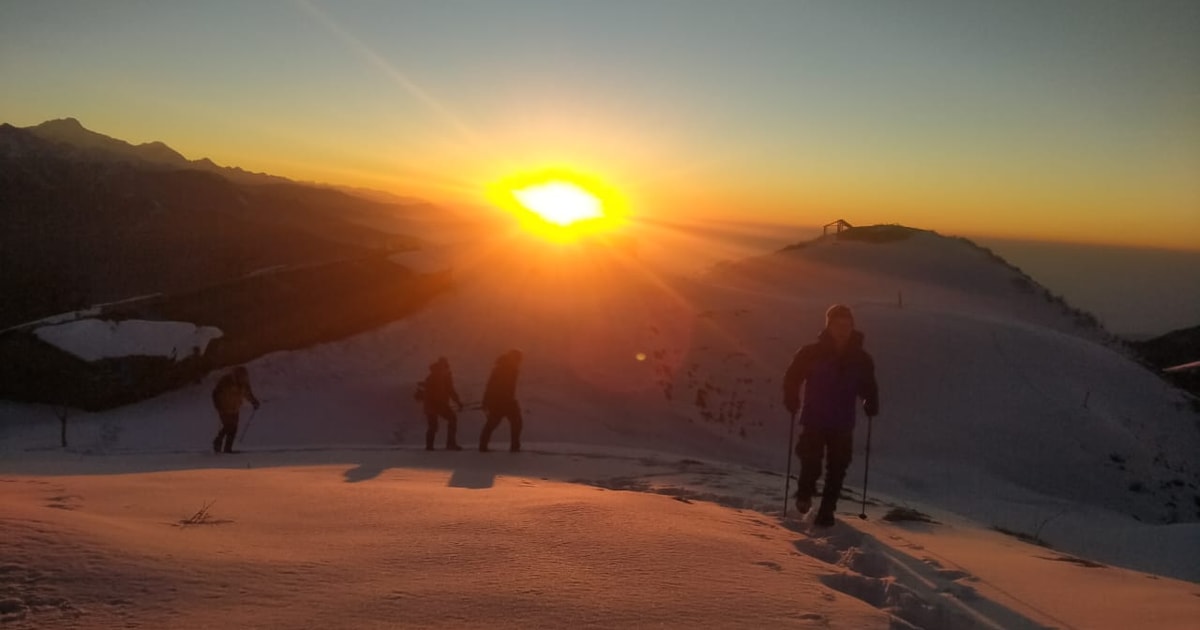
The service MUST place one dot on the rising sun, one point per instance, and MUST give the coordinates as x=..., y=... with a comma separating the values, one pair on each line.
x=559, y=205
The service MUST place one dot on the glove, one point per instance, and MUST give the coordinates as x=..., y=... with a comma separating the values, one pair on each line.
x=791, y=404
x=872, y=410
x=256, y=404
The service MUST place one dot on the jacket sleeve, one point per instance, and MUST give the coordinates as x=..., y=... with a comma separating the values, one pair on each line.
x=795, y=375
x=870, y=389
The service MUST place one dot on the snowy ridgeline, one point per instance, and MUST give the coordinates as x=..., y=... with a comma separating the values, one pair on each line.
x=95, y=339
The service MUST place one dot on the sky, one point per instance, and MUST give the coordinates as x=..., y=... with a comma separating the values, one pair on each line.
x=1070, y=120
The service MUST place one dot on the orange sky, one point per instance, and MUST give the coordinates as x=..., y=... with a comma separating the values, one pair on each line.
x=1014, y=119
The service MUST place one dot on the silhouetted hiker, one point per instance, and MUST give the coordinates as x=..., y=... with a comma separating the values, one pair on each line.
x=438, y=392
x=835, y=372
x=500, y=400
x=227, y=397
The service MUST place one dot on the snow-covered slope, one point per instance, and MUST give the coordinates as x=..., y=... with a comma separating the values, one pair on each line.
x=551, y=538
x=997, y=410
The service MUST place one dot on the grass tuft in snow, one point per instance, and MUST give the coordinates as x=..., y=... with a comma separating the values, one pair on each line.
x=1087, y=564
x=202, y=517
x=1029, y=538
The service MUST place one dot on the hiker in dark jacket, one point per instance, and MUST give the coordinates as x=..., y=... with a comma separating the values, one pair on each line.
x=227, y=397
x=439, y=391
x=500, y=401
x=835, y=372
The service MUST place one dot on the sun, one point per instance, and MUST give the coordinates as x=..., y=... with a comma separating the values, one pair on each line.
x=561, y=203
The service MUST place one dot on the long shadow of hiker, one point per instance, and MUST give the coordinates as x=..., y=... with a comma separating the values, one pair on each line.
x=467, y=473
x=363, y=472
x=473, y=478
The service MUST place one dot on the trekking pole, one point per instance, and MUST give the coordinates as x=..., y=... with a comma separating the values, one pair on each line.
x=866, y=473
x=787, y=479
x=242, y=437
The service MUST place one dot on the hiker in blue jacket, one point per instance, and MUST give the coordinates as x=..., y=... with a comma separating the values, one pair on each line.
x=835, y=372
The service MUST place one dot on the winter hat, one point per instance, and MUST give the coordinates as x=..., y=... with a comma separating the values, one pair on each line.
x=836, y=311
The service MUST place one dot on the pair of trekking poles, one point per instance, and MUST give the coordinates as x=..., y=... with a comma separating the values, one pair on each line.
x=788, y=477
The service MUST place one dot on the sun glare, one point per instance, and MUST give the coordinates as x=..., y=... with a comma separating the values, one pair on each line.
x=560, y=203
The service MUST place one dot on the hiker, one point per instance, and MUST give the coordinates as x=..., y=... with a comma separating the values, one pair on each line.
x=227, y=397
x=438, y=392
x=500, y=401
x=835, y=372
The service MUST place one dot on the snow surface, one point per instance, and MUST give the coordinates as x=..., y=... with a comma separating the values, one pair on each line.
x=95, y=339
x=663, y=392
x=553, y=537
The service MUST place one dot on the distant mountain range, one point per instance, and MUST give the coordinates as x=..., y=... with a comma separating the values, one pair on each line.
x=87, y=144
x=89, y=218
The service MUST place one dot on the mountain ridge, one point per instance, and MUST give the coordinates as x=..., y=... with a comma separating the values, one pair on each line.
x=102, y=221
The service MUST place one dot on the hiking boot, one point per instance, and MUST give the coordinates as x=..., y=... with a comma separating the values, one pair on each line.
x=824, y=519
x=484, y=449
x=217, y=445
x=429, y=447
x=803, y=504
x=453, y=447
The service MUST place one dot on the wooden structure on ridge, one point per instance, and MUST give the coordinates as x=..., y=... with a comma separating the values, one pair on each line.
x=837, y=227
